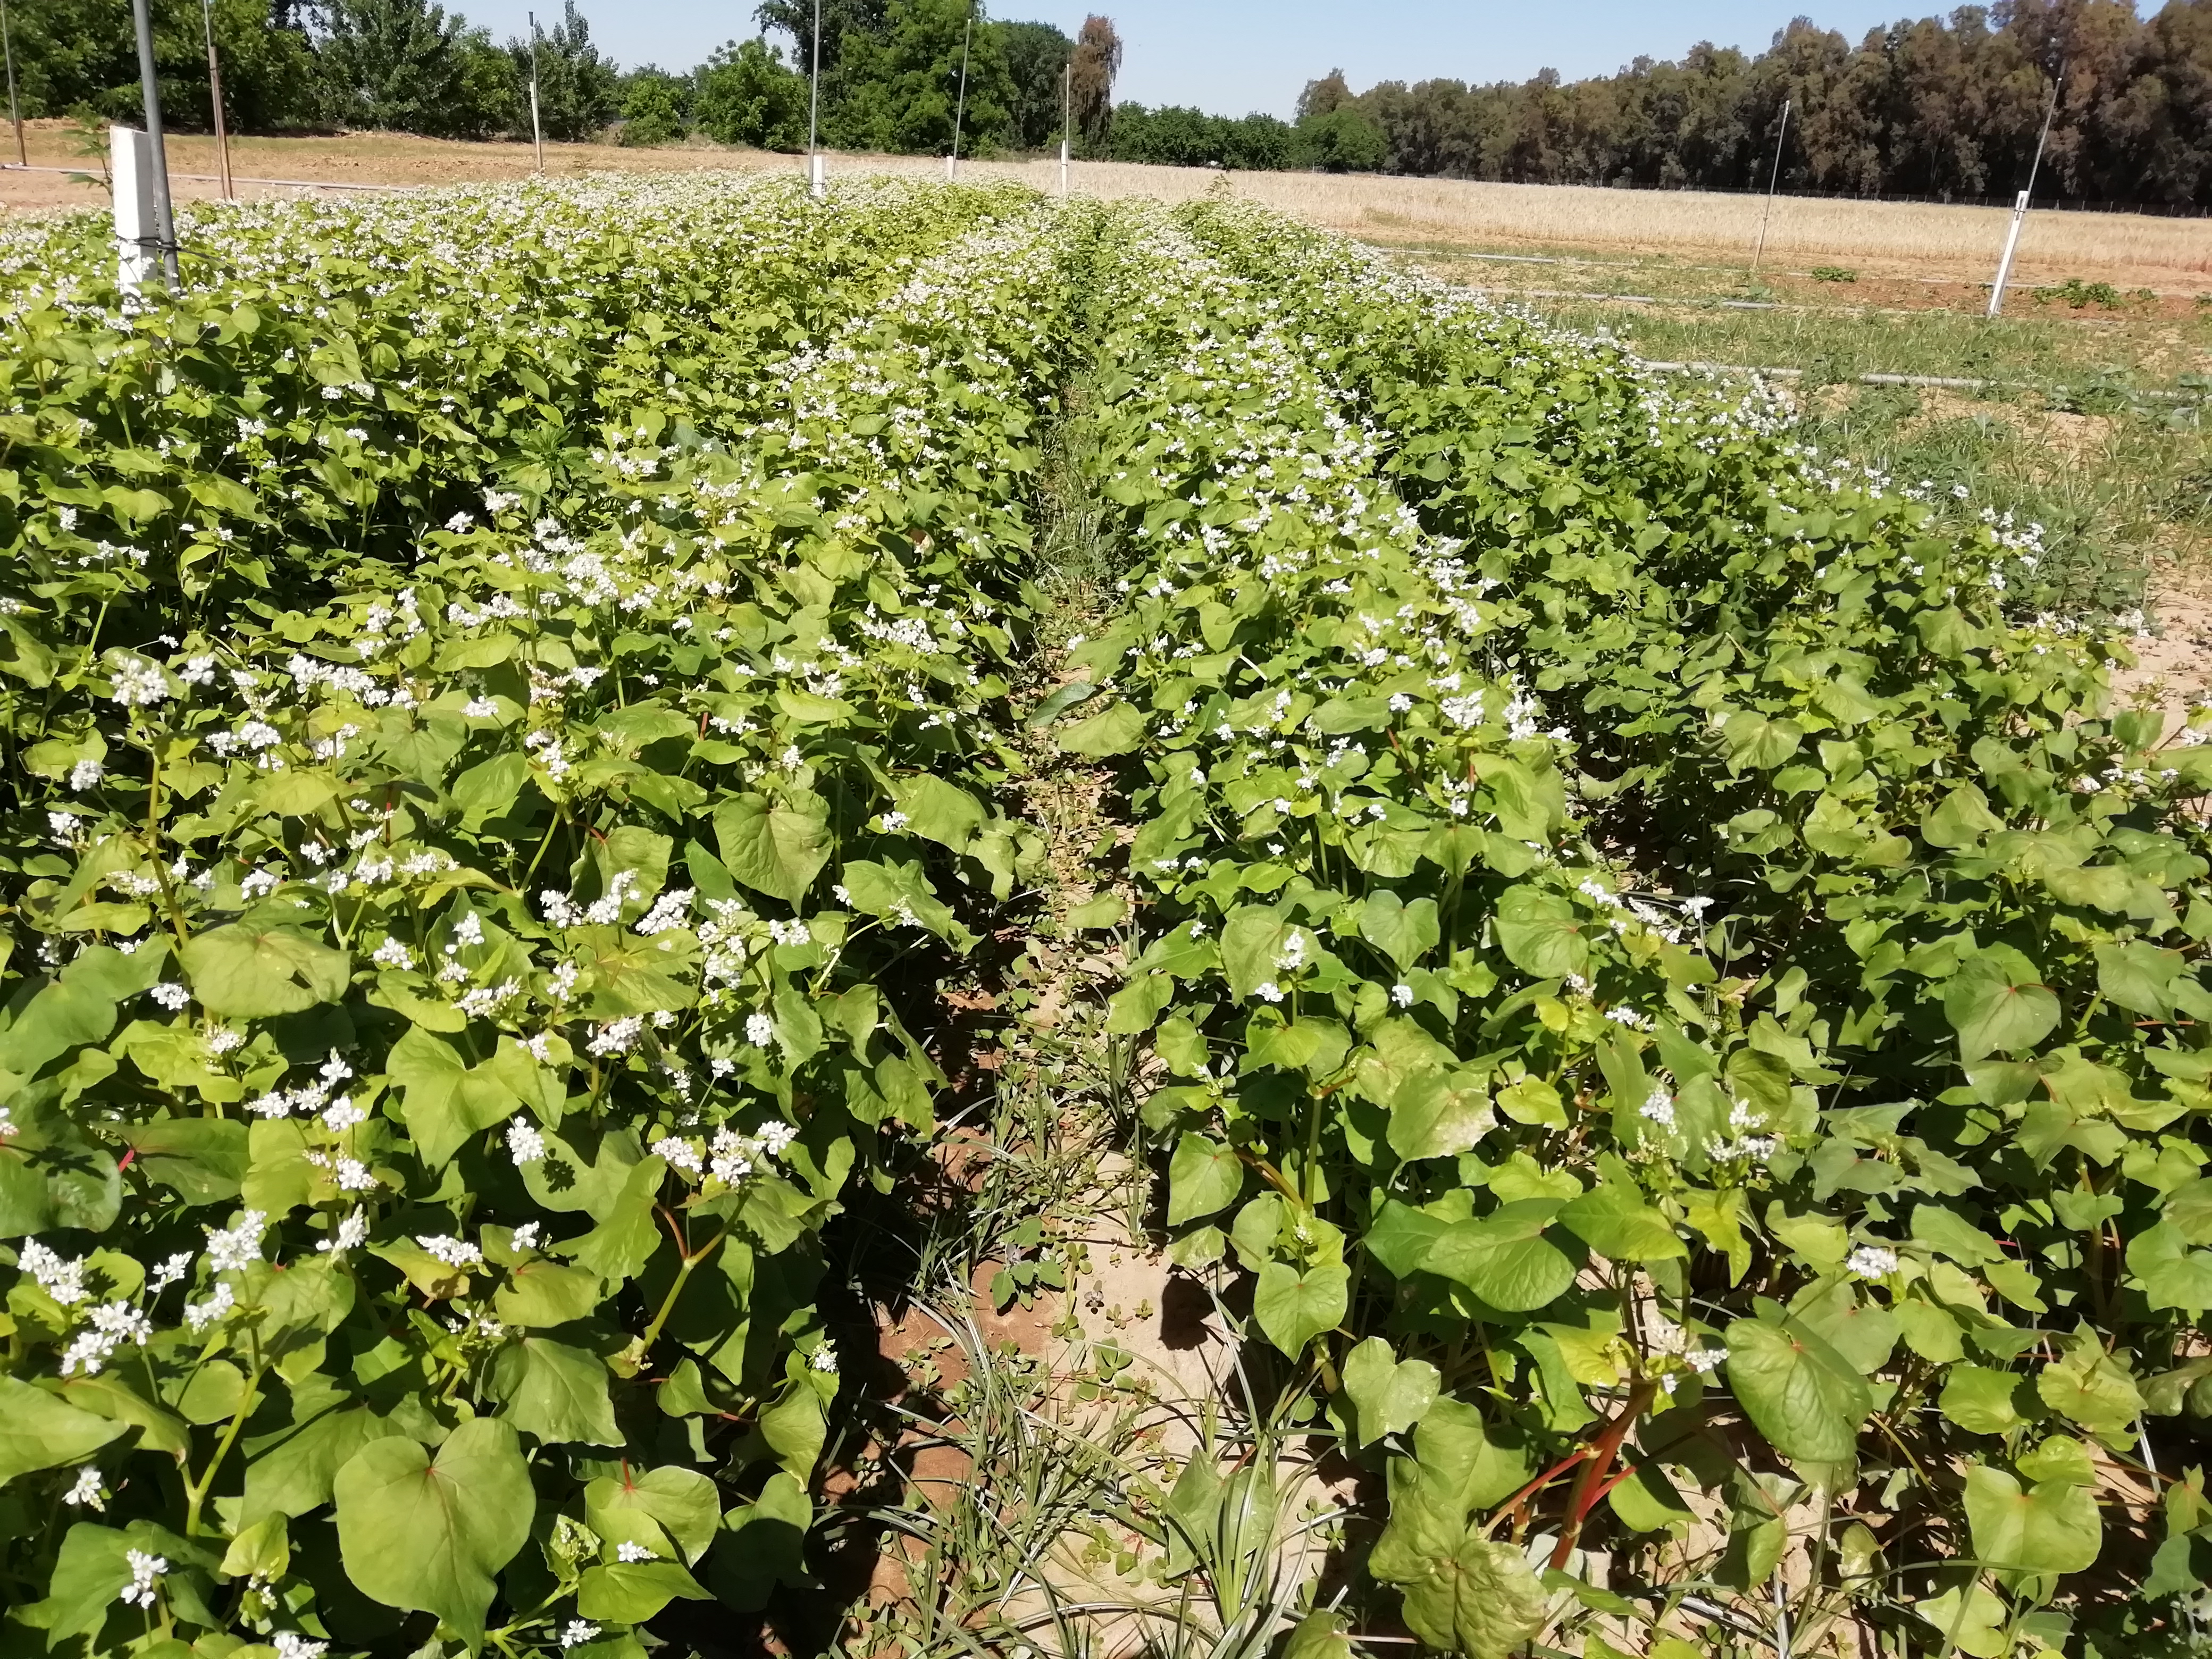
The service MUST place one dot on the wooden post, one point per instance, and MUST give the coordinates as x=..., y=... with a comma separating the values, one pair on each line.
x=214, y=100
x=15, y=115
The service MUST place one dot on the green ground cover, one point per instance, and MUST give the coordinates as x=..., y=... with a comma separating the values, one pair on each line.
x=1662, y=1010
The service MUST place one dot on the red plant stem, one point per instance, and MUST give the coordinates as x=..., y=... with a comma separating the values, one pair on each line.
x=1590, y=1484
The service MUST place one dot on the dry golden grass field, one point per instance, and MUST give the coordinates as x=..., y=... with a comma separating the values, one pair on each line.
x=1879, y=239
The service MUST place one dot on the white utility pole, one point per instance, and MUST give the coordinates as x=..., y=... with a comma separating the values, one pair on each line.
x=536, y=132
x=15, y=115
x=215, y=100
x=1066, y=119
x=960, y=109
x=1772, y=183
x=817, y=184
x=165, y=222
x=2019, y=203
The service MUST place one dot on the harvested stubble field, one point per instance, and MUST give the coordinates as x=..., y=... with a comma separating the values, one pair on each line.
x=946, y=923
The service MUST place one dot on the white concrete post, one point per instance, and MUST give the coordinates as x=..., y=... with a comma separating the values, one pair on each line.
x=951, y=168
x=1063, y=168
x=819, y=185
x=137, y=232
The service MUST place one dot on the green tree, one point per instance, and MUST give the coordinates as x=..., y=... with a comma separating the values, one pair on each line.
x=80, y=56
x=578, y=86
x=1341, y=140
x=748, y=95
x=1035, y=55
x=405, y=64
x=840, y=19
x=656, y=106
x=899, y=92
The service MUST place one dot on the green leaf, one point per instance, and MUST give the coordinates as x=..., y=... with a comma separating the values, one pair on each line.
x=63, y=1015
x=1203, y=1177
x=38, y=1432
x=1613, y=1219
x=898, y=890
x=630, y=1592
x=1105, y=910
x=1115, y=731
x=429, y=1536
x=1753, y=742
x=2172, y=1274
x=1983, y=1401
x=1438, y=1113
x=542, y=1293
x=939, y=812
x=1294, y=1307
x=1504, y=1258
x=1962, y=818
x=1542, y=932
x=2091, y=1387
x=665, y=1508
x=444, y=1099
x=556, y=1391
x=2047, y=1529
x=1389, y=1395
x=771, y=848
x=1997, y=1004
x=485, y=791
x=2138, y=977
x=1799, y=1392
x=295, y=1469
x=254, y=972
x=627, y=1235
x=1465, y=1593
x=1403, y=933
x=763, y=1544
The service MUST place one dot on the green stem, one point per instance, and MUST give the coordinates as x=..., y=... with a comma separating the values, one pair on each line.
x=644, y=1344
x=196, y=1494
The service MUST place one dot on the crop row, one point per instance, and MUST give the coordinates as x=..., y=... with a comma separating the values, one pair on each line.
x=1640, y=920
x=458, y=998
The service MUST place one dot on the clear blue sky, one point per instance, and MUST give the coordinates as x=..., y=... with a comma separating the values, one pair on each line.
x=1232, y=57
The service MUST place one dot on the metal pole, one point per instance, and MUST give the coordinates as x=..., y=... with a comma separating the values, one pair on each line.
x=8, y=44
x=165, y=222
x=1066, y=119
x=960, y=110
x=536, y=132
x=2019, y=206
x=1772, y=183
x=215, y=100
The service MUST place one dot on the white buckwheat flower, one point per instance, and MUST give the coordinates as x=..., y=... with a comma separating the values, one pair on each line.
x=146, y=1572
x=1872, y=1261
x=87, y=1493
x=237, y=1247
x=525, y=1144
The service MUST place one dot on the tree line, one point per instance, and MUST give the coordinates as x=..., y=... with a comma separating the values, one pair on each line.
x=1945, y=107
x=1948, y=107
x=891, y=74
